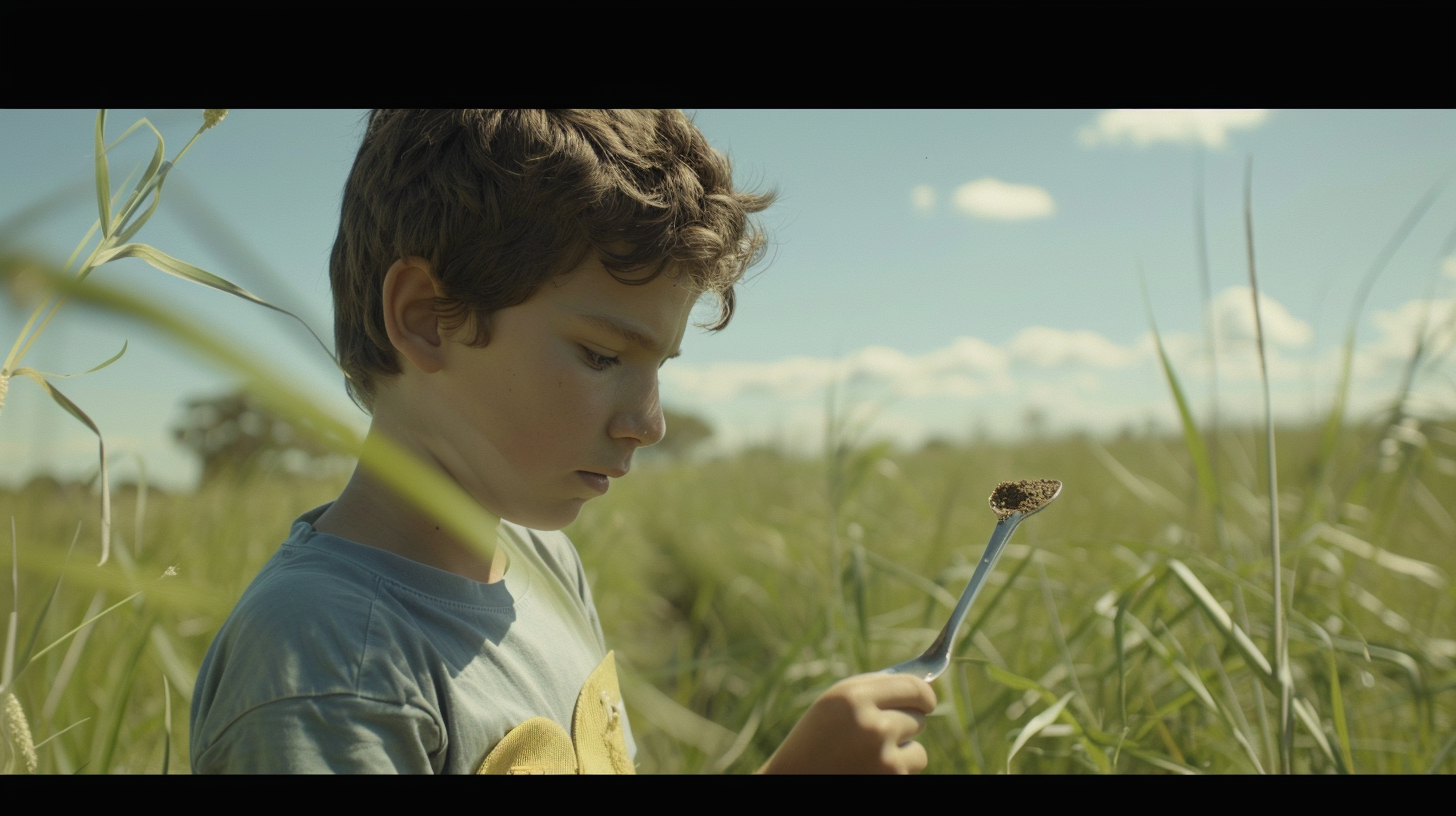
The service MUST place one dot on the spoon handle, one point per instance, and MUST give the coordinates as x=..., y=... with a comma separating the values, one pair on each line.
x=940, y=649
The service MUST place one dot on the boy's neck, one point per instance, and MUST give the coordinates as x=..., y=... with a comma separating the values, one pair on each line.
x=369, y=512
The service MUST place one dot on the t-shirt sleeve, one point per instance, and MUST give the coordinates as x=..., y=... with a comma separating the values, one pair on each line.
x=338, y=733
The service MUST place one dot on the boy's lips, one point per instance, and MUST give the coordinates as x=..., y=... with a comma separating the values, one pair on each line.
x=598, y=481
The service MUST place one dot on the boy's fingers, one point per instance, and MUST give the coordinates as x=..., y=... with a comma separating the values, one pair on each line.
x=911, y=758
x=906, y=723
x=906, y=692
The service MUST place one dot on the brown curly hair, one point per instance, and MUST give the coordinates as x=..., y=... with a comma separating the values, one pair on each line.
x=499, y=202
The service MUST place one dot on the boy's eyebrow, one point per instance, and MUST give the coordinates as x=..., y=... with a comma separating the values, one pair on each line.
x=630, y=333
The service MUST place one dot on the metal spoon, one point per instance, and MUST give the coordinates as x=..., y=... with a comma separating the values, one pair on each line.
x=1013, y=503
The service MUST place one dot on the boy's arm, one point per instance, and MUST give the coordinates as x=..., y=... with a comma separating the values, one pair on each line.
x=862, y=724
x=338, y=733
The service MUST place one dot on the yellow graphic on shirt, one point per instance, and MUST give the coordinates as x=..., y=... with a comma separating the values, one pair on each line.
x=597, y=744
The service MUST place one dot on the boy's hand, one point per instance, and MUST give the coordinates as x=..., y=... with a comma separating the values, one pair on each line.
x=862, y=724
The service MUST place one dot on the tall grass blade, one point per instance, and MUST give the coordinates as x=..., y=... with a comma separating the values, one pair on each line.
x=1124, y=600
x=681, y=723
x=1205, y=280
x=113, y=358
x=1442, y=754
x=1185, y=669
x=1060, y=638
x=187, y=271
x=1148, y=492
x=140, y=518
x=1305, y=712
x=27, y=337
x=166, y=725
x=131, y=229
x=424, y=486
x=1337, y=706
x=7, y=672
x=1221, y=621
x=121, y=693
x=214, y=230
x=1164, y=763
x=62, y=731
x=1427, y=573
x=75, y=411
x=103, y=613
x=149, y=184
x=103, y=175
x=1036, y=725
x=913, y=578
x=1192, y=438
x=39, y=620
x=1281, y=622
x=1253, y=658
x=62, y=678
x=1013, y=680
x=1336, y=420
x=858, y=583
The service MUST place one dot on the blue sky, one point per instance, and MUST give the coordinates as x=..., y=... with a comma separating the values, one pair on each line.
x=948, y=270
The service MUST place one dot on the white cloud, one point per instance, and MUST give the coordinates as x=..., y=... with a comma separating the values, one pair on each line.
x=1001, y=201
x=923, y=198
x=966, y=354
x=1182, y=348
x=1080, y=378
x=1233, y=320
x=1209, y=128
x=877, y=361
x=792, y=378
x=968, y=367
x=1400, y=327
x=1046, y=347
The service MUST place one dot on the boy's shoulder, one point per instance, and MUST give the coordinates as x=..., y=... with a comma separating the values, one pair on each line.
x=342, y=634
x=302, y=628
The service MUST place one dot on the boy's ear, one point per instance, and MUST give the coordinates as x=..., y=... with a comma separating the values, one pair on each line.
x=409, y=313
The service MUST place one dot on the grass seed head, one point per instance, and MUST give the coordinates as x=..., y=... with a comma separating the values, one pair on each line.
x=19, y=729
x=212, y=116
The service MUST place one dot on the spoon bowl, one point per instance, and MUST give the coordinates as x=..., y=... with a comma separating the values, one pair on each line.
x=1013, y=503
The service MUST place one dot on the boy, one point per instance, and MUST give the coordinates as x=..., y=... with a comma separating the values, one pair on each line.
x=506, y=286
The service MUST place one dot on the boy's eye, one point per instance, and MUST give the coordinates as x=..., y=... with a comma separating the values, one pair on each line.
x=600, y=362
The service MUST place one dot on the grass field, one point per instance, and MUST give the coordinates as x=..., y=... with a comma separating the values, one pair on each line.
x=718, y=587
x=1137, y=625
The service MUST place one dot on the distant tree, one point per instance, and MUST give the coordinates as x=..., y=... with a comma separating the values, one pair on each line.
x=937, y=444
x=684, y=433
x=232, y=433
x=1034, y=419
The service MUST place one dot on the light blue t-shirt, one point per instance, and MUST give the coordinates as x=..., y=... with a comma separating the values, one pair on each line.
x=341, y=657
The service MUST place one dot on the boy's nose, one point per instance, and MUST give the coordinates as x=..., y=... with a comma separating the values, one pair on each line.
x=643, y=423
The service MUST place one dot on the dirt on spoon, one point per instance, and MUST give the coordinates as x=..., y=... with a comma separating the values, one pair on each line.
x=1023, y=497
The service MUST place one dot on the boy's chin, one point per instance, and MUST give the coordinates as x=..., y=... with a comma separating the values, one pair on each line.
x=546, y=519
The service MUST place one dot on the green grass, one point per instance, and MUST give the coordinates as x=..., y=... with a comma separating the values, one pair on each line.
x=1135, y=626
x=715, y=585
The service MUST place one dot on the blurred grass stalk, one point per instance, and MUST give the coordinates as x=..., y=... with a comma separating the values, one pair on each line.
x=117, y=227
x=1278, y=677
x=1281, y=620
x=417, y=482
x=431, y=491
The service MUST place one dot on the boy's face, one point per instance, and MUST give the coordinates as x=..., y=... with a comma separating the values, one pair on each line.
x=534, y=423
